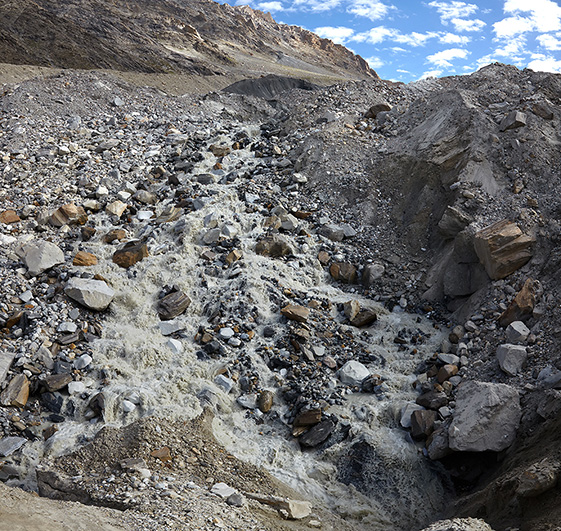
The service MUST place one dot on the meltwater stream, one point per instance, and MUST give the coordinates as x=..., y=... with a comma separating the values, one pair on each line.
x=377, y=476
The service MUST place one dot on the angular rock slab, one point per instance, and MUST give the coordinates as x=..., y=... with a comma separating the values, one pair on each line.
x=93, y=294
x=486, y=418
x=503, y=248
x=173, y=305
x=38, y=256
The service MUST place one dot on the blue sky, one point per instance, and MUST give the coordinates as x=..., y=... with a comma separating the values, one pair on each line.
x=407, y=40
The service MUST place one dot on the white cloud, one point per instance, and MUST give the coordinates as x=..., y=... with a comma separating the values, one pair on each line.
x=545, y=64
x=514, y=49
x=549, y=42
x=511, y=26
x=340, y=34
x=545, y=15
x=443, y=59
x=415, y=39
x=372, y=9
x=374, y=62
x=452, y=38
x=375, y=35
x=461, y=24
x=431, y=73
x=270, y=6
x=451, y=10
x=317, y=6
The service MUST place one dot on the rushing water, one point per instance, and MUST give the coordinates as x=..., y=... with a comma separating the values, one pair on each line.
x=398, y=487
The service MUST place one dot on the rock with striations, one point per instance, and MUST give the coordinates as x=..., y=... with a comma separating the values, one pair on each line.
x=131, y=253
x=84, y=259
x=17, y=392
x=69, y=214
x=486, y=418
x=503, y=248
x=522, y=305
x=173, y=305
x=93, y=294
x=39, y=256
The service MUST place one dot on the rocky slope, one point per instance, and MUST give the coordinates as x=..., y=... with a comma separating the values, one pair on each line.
x=354, y=288
x=199, y=37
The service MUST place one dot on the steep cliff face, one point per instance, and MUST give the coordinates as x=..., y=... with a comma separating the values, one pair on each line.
x=200, y=36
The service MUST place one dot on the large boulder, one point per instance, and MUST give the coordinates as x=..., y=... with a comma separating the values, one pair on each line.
x=522, y=305
x=486, y=418
x=503, y=248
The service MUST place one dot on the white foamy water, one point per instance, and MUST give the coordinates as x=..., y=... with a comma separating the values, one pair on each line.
x=142, y=368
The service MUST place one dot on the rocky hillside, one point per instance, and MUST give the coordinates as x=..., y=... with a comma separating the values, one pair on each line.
x=172, y=36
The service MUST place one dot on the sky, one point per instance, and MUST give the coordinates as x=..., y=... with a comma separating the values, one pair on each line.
x=407, y=40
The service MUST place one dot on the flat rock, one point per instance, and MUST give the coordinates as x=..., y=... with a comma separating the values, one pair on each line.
x=93, y=294
x=223, y=490
x=173, y=305
x=131, y=253
x=317, y=434
x=502, y=248
x=115, y=234
x=296, y=313
x=38, y=256
x=56, y=382
x=432, y=400
x=486, y=418
x=8, y=217
x=84, y=259
x=9, y=445
x=511, y=358
x=116, y=208
x=307, y=417
x=353, y=373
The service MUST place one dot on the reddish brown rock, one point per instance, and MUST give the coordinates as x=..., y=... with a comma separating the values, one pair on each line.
x=69, y=214
x=522, y=305
x=131, y=253
x=8, y=217
x=296, y=313
x=115, y=234
x=233, y=256
x=503, y=248
x=265, y=401
x=344, y=272
x=85, y=259
x=163, y=454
